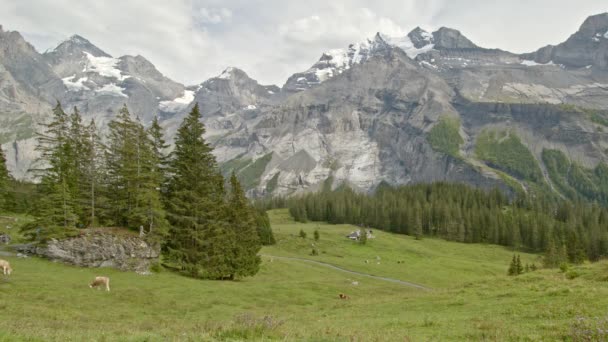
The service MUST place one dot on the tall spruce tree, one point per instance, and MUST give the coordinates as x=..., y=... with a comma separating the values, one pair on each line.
x=200, y=241
x=519, y=266
x=55, y=170
x=122, y=166
x=93, y=172
x=5, y=180
x=135, y=178
x=241, y=218
x=149, y=211
x=263, y=227
x=77, y=171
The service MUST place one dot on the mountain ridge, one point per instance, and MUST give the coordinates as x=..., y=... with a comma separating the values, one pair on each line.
x=370, y=113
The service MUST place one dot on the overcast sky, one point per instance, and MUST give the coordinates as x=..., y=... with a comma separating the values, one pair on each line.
x=192, y=40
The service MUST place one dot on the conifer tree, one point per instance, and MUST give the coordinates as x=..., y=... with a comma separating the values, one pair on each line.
x=122, y=162
x=317, y=235
x=77, y=171
x=513, y=266
x=159, y=146
x=263, y=227
x=200, y=243
x=135, y=176
x=5, y=180
x=246, y=261
x=519, y=266
x=94, y=172
x=55, y=168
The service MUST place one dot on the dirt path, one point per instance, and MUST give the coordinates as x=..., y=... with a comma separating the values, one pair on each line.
x=392, y=280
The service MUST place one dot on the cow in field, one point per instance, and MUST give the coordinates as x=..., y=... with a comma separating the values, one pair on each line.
x=6, y=267
x=101, y=281
x=343, y=296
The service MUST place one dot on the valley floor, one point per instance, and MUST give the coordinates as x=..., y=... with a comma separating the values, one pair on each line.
x=469, y=296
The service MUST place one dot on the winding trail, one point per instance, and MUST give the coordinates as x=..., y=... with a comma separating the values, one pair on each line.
x=391, y=280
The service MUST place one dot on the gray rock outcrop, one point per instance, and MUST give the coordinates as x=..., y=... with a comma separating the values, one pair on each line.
x=101, y=249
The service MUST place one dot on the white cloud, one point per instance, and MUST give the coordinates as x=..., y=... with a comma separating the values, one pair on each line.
x=214, y=16
x=192, y=40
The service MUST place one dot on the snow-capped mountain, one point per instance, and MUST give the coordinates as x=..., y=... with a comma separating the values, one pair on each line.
x=360, y=115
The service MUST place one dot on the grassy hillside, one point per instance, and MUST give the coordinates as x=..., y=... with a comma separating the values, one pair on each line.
x=505, y=151
x=574, y=180
x=445, y=137
x=471, y=297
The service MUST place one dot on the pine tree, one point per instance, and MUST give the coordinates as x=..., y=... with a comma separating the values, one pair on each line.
x=513, y=266
x=200, y=243
x=519, y=266
x=263, y=227
x=159, y=146
x=302, y=234
x=55, y=170
x=5, y=181
x=135, y=176
x=77, y=172
x=240, y=216
x=317, y=235
x=123, y=168
x=149, y=211
x=94, y=196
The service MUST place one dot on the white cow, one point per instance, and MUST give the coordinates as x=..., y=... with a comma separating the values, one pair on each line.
x=101, y=281
x=6, y=267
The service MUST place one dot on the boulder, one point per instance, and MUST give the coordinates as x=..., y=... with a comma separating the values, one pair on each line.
x=5, y=239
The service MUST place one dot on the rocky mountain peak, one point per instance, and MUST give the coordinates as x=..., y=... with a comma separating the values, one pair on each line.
x=75, y=45
x=447, y=38
x=595, y=26
x=12, y=42
x=334, y=62
x=232, y=73
x=586, y=48
x=420, y=37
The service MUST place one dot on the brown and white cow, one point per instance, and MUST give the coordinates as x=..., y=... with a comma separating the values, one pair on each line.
x=6, y=267
x=101, y=281
x=343, y=296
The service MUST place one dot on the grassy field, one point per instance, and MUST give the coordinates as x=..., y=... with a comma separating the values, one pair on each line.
x=471, y=297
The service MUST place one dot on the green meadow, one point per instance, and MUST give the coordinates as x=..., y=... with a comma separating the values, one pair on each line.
x=469, y=296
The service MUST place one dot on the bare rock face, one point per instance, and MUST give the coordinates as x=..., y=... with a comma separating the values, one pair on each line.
x=102, y=249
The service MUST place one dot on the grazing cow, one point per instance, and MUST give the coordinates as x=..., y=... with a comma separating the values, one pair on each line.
x=6, y=267
x=343, y=296
x=101, y=281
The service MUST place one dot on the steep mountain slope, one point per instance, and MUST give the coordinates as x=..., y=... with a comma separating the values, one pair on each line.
x=424, y=107
x=75, y=73
x=363, y=115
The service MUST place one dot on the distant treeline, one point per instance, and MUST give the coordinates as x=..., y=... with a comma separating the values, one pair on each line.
x=565, y=231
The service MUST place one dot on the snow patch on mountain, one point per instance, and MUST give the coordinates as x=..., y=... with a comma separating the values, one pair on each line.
x=111, y=89
x=406, y=44
x=336, y=61
x=533, y=63
x=75, y=85
x=104, y=66
x=175, y=105
x=606, y=35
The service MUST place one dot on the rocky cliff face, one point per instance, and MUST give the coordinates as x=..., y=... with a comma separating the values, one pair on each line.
x=101, y=249
x=377, y=111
